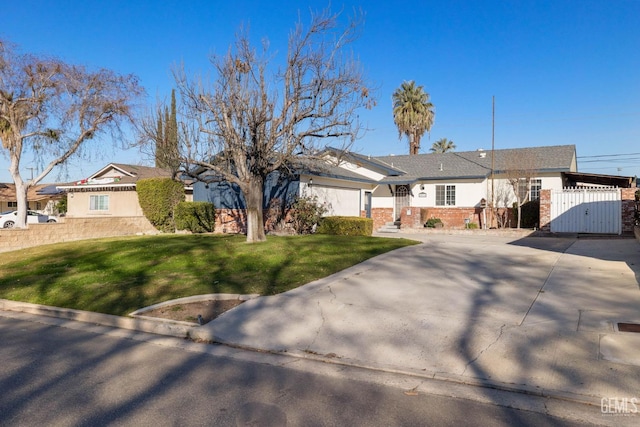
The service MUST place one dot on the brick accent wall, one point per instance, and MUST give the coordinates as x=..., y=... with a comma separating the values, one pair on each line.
x=231, y=221
x=72, y=229
x=451, y=217
x=628, y=209
x=545, y=210
x=381, y=216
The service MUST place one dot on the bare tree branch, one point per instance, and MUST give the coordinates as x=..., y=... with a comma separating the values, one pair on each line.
x=51, y=108
x=255, y=119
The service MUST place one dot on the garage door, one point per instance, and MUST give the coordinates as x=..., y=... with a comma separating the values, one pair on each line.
x=339, y=201
x=586, y=210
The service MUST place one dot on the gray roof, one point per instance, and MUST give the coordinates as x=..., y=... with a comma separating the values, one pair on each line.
x=475, y=164
x=320, y=168
x=140, y=172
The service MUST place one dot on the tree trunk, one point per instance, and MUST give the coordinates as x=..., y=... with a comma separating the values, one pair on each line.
x=519, y=214
x=414, y=145
x=21, y=191
x=21, y=198
x=255, y=224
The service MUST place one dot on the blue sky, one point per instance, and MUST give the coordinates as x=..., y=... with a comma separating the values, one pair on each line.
x=562, y=72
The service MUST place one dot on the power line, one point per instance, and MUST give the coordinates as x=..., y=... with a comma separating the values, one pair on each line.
x=626, y=159
x=608, y=155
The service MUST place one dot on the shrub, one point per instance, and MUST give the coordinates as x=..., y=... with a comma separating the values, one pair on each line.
x=158, y=198
x=346, y=226
x=433, y=223
x=62, y=205
x=472, y=225
x=196, y=217
x=530, y=214
x=305, y=214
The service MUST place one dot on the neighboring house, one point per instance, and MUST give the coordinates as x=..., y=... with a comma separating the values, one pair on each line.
x=111, y=192
x=41, y=198
x=454, y=187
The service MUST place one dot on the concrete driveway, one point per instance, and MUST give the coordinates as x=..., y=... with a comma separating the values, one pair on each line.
x=537, y=314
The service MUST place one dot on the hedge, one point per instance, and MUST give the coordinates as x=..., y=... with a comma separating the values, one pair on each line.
x=158, y=198
x=197, y=217
x=346, y=226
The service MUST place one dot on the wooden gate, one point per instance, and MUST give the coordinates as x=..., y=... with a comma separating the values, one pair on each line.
x=586, y=210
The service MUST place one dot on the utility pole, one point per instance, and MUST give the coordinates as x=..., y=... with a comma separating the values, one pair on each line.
x=493, y=121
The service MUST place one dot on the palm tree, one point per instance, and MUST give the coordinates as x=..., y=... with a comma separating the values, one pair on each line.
x=413, y=114
x=443, y=145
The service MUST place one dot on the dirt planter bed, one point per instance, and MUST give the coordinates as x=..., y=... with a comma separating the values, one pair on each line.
x=189, y=309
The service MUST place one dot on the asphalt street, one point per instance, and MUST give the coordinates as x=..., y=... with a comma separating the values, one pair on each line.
x=83, y=375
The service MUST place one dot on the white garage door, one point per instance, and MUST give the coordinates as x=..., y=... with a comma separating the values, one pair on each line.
x=592, y=210
x=339, y=201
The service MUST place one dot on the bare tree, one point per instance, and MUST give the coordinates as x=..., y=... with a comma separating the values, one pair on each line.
x=50, y=108
x=500, y=206
x=256, y=118
x=520, y=167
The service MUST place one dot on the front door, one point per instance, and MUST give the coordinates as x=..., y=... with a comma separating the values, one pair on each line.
x=367, y=204
x=403, y=199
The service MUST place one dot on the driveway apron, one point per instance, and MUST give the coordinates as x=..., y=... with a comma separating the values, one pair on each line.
x=533, y=312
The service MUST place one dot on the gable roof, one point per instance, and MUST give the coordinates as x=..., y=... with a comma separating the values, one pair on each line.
x=371, y=163
x=118, y=175
x=475, y=164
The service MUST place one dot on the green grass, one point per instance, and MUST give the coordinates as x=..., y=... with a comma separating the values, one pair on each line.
x=120, y=275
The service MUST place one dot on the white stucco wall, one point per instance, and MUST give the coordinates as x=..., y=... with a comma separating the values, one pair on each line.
x=361, y=171
x=468, y=193
x=382, y=197
x=549, y=181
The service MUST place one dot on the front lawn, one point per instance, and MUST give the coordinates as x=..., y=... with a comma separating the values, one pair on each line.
x=120, y=275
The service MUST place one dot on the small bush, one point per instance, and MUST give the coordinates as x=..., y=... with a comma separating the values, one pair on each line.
x=196, y=217
x=346, y=226
x=305, y=214
x=530, y=214
x=472, y=225
x=158, y=198
x=433, y=223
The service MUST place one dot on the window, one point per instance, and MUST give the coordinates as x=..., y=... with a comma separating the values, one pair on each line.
x=99, y=203
x=522, y=189
x=534, y=189
x=445, y=195
x=13, y=204
x=536, y=186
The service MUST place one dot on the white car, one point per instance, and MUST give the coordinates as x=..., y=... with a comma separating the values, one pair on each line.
x=8, y=218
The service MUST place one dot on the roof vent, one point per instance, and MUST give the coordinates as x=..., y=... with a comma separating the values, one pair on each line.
x=441, y=168
x=482, y=154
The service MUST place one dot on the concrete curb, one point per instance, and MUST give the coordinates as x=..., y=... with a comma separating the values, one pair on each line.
x=156, y=326
x=437, y=376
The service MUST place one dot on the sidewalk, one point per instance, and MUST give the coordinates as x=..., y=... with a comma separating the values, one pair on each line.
x=538, y=315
